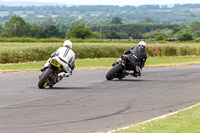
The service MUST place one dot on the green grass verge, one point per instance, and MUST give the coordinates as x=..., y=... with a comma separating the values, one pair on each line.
x=106, y=62
x=186, y=121
x=171, y=60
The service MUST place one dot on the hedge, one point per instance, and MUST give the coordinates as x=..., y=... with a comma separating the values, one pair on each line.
x=42, y=52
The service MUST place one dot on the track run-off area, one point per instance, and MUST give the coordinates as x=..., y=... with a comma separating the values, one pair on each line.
x=86, y=102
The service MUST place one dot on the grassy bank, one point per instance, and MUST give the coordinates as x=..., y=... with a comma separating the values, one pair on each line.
x=26, y=52
x=186, y=121
x=107, y=62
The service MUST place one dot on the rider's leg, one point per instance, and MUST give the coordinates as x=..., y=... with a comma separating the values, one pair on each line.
x=45, y=65
x=66, y=69
x=135, y=67
x=116, y=62
x=138, y=70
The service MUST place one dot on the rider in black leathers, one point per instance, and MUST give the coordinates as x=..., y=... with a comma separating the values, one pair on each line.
x=137, y=57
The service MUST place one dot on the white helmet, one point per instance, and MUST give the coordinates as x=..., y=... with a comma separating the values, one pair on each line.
x=68, y=44
x=142, y=43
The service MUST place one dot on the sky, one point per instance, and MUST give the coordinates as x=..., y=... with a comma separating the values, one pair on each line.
x=115, y=2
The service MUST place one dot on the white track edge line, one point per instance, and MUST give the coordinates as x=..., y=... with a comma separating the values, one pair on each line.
x=156, y=118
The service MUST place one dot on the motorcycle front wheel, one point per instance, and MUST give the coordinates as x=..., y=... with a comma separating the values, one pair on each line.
x=44, y=79
x=111, y=74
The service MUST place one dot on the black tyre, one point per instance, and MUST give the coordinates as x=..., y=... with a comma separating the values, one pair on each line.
x=111, y=74
x=45, y=78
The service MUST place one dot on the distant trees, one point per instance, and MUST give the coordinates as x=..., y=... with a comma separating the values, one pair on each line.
x=16, y=27
x=37, y=32
x=1, y=28
x=51, y=31
x=159, y=14
x=116, y=20
x=159, y=38
x=112, y=35
x=137, y=30
x=148, y=20
x=195, y=29
x=185, y=37
x=146, y=13
x=137, y=35
x=152, y=34
x=78, y=31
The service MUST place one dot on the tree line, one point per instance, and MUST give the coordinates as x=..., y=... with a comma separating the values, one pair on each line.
x=159, y=14
x=116, y=28
x=18, y=27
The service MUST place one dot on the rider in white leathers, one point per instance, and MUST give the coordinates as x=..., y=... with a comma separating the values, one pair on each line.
x=65, y=56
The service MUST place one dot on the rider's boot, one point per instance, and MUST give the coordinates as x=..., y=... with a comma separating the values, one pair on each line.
x=137, y=72
x=43, y=68
x=46, y=65
x=116, y=62
x=61, y=76
x=134, y=74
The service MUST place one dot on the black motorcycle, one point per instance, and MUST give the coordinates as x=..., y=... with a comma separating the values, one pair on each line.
x=121, y=69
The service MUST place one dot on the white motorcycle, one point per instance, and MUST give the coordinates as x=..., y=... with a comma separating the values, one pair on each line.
x=51, y=75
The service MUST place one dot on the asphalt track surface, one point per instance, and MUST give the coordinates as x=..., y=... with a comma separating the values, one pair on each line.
x=86, y=102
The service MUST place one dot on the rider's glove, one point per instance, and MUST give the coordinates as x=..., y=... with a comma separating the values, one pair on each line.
x=53, y=54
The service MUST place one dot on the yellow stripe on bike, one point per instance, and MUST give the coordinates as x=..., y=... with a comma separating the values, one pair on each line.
x=55, y=63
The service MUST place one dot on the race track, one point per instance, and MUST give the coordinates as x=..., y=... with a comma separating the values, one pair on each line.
x=86, y=102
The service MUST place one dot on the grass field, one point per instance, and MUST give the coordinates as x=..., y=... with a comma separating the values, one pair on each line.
x=186, y=121
x=107, y=62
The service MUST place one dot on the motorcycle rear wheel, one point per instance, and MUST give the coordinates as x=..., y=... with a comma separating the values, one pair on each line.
x=111, y=74
x=44, y=79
